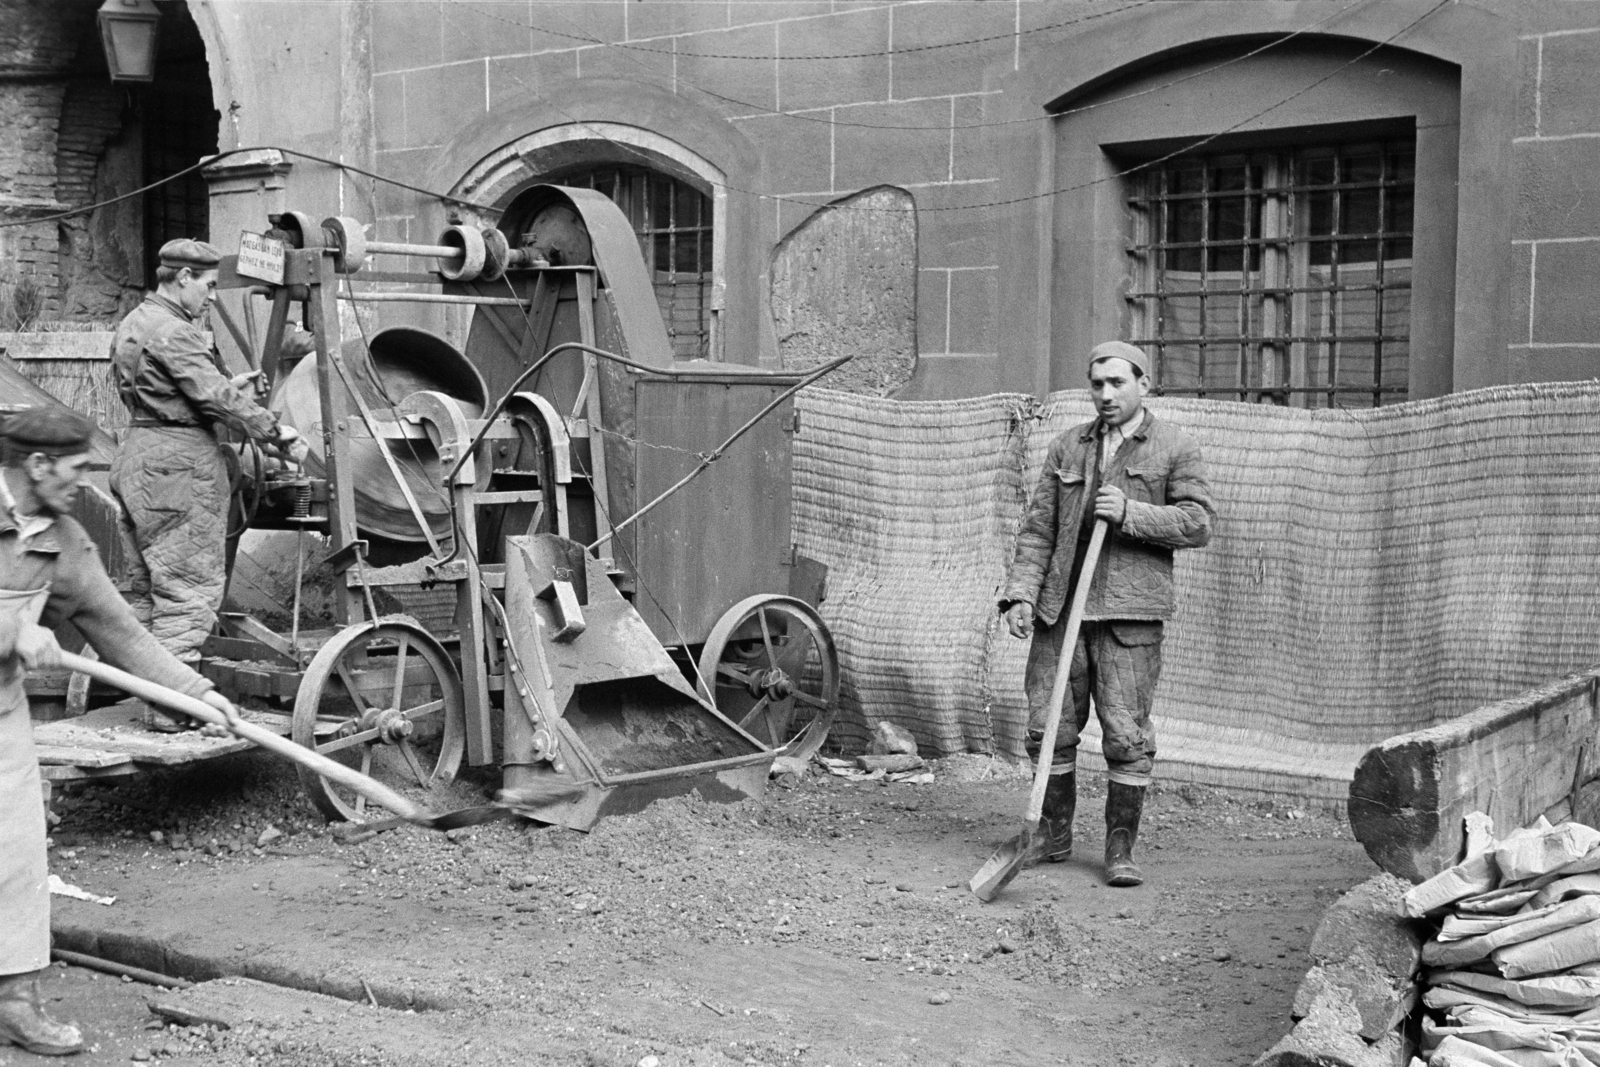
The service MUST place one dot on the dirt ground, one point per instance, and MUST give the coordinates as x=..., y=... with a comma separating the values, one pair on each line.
x=827, y=924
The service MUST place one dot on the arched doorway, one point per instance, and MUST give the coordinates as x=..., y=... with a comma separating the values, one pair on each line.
x=674, y=199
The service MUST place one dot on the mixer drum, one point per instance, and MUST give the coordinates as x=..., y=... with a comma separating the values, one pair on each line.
x=403, y=360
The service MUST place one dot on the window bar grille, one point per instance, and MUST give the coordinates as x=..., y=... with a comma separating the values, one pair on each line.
x=1377, y=297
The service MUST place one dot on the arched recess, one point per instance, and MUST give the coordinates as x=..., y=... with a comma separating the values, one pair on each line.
x=664, y=187
x=678, y=136
x=1300, y=254
x=1480, y=44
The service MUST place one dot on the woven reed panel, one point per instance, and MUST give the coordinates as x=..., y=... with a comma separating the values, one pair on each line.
x=904, y=503
x=1372, y=572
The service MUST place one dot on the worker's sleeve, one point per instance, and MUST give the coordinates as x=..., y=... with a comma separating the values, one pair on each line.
x=186, y=358
x=1036, y=541
x=83, y=595
x=1185, y=520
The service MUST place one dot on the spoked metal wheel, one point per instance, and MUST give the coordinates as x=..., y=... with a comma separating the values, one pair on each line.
x=774, y=671
x=383, y=697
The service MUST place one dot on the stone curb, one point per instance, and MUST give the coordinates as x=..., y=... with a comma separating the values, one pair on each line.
x=156, y=954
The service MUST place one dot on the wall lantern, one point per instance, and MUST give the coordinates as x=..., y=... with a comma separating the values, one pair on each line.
x=128, y=32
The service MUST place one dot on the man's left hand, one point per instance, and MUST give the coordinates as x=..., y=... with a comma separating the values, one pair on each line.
x=37, y=647
x=1111, y=505
x=229, y=712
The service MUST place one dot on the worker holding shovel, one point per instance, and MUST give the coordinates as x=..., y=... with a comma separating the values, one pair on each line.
x=50, y=573
x=1144, y=478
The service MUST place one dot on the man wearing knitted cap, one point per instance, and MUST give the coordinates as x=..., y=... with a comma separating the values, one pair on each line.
x=170, y=473
x=1146, y=478
x=50, y=573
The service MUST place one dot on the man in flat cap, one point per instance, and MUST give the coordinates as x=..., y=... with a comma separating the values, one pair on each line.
x=170, y=473
x=1146, y=478
x=50, y=573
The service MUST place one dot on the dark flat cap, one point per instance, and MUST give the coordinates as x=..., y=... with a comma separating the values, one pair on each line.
x=56, y=431
x=184, y=252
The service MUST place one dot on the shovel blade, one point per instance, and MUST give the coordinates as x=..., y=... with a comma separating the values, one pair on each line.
x=1007, y=861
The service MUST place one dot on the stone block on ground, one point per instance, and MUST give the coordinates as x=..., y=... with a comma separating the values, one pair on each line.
x=889, y=739
x=1366, y=945
x=1382, y=1001
x=1330, y=1036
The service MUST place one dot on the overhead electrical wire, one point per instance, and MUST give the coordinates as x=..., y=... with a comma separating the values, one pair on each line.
x=450, y=198
x=1051, y=193
x=892, y=51
x=803, y=115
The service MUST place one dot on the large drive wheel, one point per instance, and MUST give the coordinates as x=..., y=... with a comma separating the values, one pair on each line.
x=775, y=672
x=383, y=697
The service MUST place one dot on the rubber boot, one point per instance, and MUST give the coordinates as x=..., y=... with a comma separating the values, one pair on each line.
x=1124, y=803
x=23, y=1021
x=1060, y=801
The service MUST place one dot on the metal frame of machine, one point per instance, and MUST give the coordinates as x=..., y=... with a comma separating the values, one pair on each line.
x=546, y=659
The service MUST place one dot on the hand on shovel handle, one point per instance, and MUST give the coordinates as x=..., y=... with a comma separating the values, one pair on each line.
x=332, y=770
x=1011, y=857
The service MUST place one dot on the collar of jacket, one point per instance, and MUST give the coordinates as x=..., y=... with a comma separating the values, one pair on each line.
x=1097, y=428
x=162, y=302
x=44, y=541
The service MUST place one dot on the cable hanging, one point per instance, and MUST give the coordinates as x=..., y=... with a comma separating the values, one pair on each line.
x=450, y=198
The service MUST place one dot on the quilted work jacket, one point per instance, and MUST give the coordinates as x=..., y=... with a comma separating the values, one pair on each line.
x=1169, y=507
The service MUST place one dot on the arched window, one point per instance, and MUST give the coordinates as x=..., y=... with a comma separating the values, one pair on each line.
x=672, y=220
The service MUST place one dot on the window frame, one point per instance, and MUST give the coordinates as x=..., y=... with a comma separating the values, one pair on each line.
x=1276, y=352
x=1120, y=122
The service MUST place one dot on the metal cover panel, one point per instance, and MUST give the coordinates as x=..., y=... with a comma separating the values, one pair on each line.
x=726, y=535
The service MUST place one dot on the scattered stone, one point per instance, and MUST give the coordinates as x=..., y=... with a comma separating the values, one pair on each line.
x=268, y=836
x=903, y=887
x=1222, y=955
x=157, y=836
x=939, y=998
x=650, y=1061
x=140, y=1055
x=888, y=739
x=1330, y=1034
x=783, y=765
x=889, y=764
x=1006, y=945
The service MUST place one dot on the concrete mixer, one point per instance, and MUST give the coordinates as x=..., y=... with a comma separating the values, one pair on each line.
x=537, y=540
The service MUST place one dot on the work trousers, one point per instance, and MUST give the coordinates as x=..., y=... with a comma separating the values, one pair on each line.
x=1119, y=663
x=173, y=485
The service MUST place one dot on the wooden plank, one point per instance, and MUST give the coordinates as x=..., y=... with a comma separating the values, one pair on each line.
x=80, y=757
x=60, y=772
x=119, y=730
x=1514, y=760
x=250, y=628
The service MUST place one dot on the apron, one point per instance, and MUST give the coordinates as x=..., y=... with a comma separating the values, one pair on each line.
x=24, y=865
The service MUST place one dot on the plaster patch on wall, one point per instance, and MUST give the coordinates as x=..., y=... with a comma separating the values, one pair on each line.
x=845, y=281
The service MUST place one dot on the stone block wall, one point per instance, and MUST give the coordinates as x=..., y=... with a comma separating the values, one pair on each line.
x=1556, y=250
x=951, y=101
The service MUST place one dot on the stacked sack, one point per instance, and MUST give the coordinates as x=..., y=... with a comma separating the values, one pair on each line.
x=1512, y=976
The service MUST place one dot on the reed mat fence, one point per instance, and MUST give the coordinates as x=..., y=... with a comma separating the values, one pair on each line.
x=1372, y=572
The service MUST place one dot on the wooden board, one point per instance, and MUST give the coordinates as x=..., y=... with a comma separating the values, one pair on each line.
x=114, y=737
x=1515, y=760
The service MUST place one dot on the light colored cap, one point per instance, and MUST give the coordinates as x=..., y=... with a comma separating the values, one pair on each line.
x=186, y=252
x=1121, y=350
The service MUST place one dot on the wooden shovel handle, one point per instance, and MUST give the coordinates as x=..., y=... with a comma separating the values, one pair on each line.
x=332, y=770
x=1058, y=691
